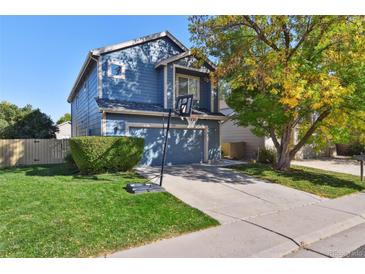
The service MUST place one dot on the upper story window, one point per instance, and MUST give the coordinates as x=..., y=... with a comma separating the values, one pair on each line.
x=116, y=69
x=187, y=84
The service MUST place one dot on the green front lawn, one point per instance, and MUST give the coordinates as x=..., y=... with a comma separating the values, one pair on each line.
x=323, y=183
x=49, y=211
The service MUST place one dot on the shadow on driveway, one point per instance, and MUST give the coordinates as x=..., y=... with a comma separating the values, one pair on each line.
x=206, y=174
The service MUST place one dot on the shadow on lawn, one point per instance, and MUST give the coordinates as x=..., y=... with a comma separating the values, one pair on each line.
x=51, y=170
x=321, y=179
x=67, y=170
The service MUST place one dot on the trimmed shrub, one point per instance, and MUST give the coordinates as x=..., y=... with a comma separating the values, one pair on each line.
x=70, y=161
x=95, y=154
x=266, y=156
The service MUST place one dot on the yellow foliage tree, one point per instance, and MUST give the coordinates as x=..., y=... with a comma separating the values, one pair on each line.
x=287, y=73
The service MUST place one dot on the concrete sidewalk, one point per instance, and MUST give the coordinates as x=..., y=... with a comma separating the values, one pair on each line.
x=348, y=166
x=258, y=219
x=336, y=246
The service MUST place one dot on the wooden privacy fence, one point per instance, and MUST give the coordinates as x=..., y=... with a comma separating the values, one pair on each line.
x=23, y=152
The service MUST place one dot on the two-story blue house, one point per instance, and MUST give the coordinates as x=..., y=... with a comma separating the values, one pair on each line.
x=127, y=89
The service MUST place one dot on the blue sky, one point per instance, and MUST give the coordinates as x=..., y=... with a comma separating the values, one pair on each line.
x=40, y=56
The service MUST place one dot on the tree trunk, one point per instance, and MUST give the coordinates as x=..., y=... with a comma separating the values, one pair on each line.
x=284, y=150
x=284, y=160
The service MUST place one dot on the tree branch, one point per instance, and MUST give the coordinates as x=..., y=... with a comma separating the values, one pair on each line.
x=309, y=29
x=260, y=33
x=286, y=36
x=309, y=133
x=274, y=139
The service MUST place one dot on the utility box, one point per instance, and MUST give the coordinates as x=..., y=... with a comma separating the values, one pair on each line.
x=234, y=150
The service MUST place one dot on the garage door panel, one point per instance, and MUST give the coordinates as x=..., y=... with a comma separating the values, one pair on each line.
x=184, y=145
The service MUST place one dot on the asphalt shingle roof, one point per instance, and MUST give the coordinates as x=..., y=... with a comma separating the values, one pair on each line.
x=115, y=104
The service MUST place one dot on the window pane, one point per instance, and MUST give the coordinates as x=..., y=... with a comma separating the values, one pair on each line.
x=193, y=87
x=183, y=86
x=116, y=70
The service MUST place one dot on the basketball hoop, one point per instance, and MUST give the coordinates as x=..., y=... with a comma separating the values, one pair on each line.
x=191, y=121
x=182, y=109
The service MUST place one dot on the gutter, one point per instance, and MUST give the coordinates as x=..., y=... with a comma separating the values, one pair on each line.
x=86, y=63
x=159, y=114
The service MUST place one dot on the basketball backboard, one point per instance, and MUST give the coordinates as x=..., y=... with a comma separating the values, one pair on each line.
x=184, y=105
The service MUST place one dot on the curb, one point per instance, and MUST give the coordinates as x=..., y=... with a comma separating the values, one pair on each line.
x=309, y=238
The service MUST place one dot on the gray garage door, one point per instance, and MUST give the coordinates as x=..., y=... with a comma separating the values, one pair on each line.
x=185, y=146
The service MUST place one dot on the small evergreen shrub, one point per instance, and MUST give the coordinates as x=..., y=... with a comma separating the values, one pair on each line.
x=266, y=156
x=95, y=154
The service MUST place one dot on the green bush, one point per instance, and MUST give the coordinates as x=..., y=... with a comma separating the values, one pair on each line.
x=356, y=148
x=70, y=161
x=266, y=156
x=94, y=154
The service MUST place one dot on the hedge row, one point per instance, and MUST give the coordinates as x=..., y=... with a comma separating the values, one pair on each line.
x=94, y=154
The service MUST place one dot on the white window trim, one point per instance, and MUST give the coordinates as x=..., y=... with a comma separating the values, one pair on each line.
x=165, y=87
x=116, y=63
x=188, y=77
x=103, y=124
x=173, y=86
x=212, y=99
x=154, y=125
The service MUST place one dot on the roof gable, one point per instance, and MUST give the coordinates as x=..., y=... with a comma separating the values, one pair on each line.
x=185, y=54
x=95, y=53
x=138, y=41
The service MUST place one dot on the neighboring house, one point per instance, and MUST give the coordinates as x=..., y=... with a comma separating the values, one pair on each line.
x=64, y=130
x=127, y=89
x=231, y=133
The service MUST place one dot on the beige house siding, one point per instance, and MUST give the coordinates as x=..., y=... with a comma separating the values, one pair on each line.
x=231, y=133
x=64, y=131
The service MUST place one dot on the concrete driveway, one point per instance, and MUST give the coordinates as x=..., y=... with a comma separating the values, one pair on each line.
x=258, y=219
x=228, y=195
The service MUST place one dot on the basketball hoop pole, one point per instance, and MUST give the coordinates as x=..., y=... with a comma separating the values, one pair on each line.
x=165, y=146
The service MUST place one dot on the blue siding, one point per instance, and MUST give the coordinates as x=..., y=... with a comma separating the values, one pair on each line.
x=186, y=142
x=160, y=84
x=142, y=82
x=170, y=86
x=85, y=115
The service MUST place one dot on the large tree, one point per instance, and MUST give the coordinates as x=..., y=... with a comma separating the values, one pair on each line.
x=24, y=123
x=288, y=74
x=64, y=118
